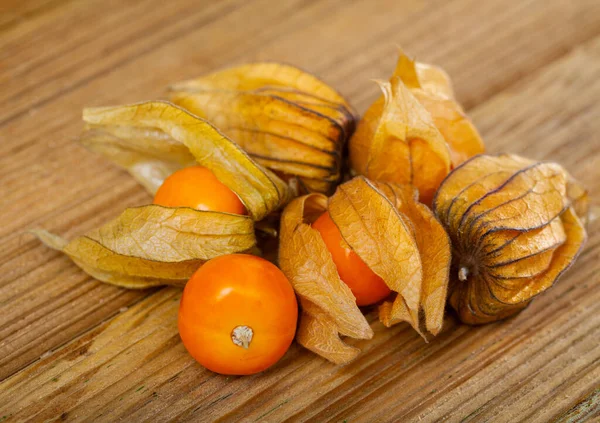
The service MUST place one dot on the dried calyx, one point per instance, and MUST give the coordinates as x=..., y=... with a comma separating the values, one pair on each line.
x=286, y=119
x=155, y=245
x=514, y=231
x=395, y=235
x=415, y=132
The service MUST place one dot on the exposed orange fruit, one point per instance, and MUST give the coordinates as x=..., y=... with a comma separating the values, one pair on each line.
x=197, y=187
x=367, y=287
x=238, y=315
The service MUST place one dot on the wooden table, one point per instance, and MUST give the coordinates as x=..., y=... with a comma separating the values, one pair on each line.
x=72, y=348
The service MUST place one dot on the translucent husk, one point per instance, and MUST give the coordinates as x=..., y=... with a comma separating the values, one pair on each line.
x=394, y=234
x=154, y=245
x=285, y=118
x=515, y=229
x=416, y=132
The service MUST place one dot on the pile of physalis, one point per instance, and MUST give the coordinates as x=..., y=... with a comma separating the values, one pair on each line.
x=249, y=162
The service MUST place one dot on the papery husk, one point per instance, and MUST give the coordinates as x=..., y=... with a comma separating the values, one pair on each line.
x=434, y=249
x=397, y=237
x=433, y=89
x=430, y=78
x=152, y=138
x=376, y=231
x=397, y=141
x=514, y=231
x=149, y=155
x=252, y=76
x=579, y=199
x=285, y=118
x=326, y=301
x=155, y=245
x=416, y=132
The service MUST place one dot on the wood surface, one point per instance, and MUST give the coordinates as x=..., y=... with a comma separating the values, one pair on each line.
x=74, y=349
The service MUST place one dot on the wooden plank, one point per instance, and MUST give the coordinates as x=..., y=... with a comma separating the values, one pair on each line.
x=586, y=410
x=14, y=12
x=101, y=44
x=534, y=367
x=460, y=36
x=53, y=302
x=506, y=28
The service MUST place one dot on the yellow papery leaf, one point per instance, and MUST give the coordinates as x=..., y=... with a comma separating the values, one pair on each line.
x=372, y=226
x=259, y=189
x=514, y=232
x=154, y=245
x=253, y=76
x=286, y=119
x=434, y=249
x=281, y=135
x=396, y=141
x=432, y=87
x=307, y=263
x=397, y=237
x=416, y=132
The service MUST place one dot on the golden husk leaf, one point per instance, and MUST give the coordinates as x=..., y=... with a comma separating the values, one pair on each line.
x=579, y=199
x=432, y=87
x=155, y=245
x=416, y=132
x=286, y=119
x=157, y=138
x=375, y=230
x=514, y=230
x=434, y=249
x=432, y=79
x=252, y=76
x=397, y=141
x=397, y=237
x=326, y=301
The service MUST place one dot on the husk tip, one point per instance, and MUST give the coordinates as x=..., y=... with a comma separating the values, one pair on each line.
x=49, y=239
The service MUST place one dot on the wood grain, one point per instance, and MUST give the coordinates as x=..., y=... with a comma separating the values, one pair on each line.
x=529, y=73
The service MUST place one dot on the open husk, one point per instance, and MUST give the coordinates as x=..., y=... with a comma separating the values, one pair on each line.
x=286, y=119
x=416, y=132
x=155, y=245
x=433, y=89
x=397, y=237
x=515, y=229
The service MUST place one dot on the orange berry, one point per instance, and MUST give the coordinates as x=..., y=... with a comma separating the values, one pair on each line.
x=367, y=287
x=238, y=314
x=197, y=187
